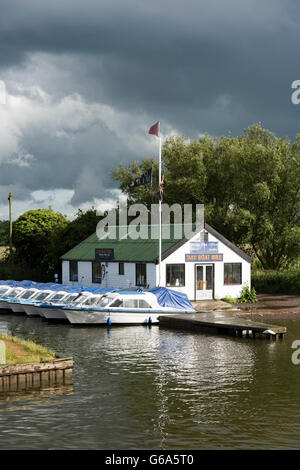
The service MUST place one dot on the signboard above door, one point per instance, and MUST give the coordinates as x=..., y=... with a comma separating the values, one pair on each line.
x=204, y=247
x=204, y=258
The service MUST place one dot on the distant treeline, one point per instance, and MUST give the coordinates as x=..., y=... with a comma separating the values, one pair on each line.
x=40, y=238
x=4, y=232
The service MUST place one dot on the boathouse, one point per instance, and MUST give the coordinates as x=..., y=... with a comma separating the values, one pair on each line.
x=205, y=266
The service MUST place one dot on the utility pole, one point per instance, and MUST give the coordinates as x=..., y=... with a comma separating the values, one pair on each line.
x=10, y=223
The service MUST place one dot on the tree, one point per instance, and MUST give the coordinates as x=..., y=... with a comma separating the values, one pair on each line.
x=4, y=232
x=34, y=237
x=77, y=230
x=249, y=185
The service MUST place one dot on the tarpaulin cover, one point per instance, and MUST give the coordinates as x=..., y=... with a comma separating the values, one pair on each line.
x=171, y=298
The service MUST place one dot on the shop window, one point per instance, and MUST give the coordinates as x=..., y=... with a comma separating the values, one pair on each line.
x=175, y=275
x=140, y=274
x=73, y=271
x=232, y=273
x=96, y=272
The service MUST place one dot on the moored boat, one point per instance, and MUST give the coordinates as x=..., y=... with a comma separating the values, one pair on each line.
x=131, y=308
x=6, y=297
x=17, y=304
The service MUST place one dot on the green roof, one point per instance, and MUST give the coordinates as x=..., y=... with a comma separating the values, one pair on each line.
x=125, y=249
x=140, y=250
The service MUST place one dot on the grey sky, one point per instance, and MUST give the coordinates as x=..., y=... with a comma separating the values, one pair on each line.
x=86, y=79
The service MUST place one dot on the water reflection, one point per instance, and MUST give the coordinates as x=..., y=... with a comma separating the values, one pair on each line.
x=37, y=396
x=149, y=388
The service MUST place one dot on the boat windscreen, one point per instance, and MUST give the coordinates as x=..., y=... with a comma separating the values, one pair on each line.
x=27, y=294
x=41, y=296
x=104, y=301
x=67, y=300
x=79, y=300
x=3, y=290
x=13, y=293
x=56, y=297
x=92, y=300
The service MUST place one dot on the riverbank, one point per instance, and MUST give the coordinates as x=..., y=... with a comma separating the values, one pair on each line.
x=25, y=365
x=19, y=351
x=268, y=307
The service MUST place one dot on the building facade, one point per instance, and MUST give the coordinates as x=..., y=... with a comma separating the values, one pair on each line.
x=205, y=266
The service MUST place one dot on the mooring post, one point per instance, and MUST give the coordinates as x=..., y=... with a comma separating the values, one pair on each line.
x=2, y=353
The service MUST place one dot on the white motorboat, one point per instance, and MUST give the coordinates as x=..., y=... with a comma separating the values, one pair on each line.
x=32, y=305
x=52, y=309
x=127, y=307
x=17, y=305
x=56, y=297
x=5, y=298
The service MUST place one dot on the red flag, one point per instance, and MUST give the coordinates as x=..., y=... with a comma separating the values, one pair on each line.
x=154, y=129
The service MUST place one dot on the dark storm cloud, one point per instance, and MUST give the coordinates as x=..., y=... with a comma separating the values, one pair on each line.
x=213, y=66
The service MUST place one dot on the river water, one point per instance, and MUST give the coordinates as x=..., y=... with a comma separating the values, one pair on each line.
x=151, y=388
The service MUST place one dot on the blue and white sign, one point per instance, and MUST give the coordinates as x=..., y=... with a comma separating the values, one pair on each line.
x=204, y=247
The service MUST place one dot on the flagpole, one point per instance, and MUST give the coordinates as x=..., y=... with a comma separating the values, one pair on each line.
x=159, y=209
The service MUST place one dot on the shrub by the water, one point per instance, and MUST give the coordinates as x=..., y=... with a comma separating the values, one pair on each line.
x=248, y=295
x=277, y=282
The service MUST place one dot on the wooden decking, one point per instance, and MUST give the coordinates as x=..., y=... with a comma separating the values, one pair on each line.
x=222, y=323
x=36, y=375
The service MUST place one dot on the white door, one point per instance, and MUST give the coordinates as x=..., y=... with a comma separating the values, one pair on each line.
x=204, y=281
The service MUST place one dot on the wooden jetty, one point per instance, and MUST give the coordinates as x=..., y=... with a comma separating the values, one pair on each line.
x=36, y=375
x=222, y=322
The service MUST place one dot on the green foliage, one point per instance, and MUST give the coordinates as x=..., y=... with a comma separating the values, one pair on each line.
x=229, y=299
x=277, y=282
x=247, y=295
x=40, y=238
x=4, y=232
x=35, y=235
x=76, y=231
x=249, y=184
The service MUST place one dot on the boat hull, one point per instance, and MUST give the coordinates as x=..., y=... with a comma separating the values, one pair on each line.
x=17, y=308
x=4, y=305
x=53, y=314
x=32, y=310
x=90, y=317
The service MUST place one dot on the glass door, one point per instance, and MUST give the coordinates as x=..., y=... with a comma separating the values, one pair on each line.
x=204, y=281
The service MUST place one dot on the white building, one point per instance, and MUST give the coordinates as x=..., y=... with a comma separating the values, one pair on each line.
x=206, y=266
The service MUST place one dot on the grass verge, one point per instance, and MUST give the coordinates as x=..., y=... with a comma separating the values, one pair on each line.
x=20, y=351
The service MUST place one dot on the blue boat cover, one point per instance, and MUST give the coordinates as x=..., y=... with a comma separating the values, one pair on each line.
x=172, y=298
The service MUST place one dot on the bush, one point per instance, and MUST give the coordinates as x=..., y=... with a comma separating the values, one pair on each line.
x=247, y=295
x=277, y=282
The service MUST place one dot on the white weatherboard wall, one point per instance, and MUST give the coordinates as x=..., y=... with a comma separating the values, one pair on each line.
x=220, y=290
x=112, y=278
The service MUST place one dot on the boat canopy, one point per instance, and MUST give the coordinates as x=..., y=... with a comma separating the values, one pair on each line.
x=171, y=298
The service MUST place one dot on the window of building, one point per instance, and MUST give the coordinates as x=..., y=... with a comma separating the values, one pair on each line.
x=175, y=275
x=232, y=273
x=121, y=269
x=96, y=272
x=73, y=271
x=140, y=274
